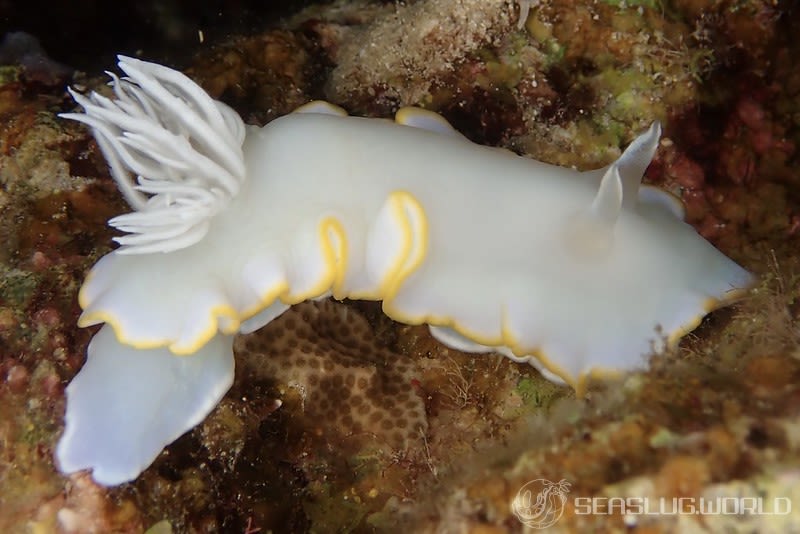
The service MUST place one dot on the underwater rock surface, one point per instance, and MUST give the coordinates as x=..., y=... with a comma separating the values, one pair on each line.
x=717, y=417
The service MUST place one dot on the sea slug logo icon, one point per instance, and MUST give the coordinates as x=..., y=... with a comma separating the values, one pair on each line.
x=540, y=503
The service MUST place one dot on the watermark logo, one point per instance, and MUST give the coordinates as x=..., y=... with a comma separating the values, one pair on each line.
x=540, y=502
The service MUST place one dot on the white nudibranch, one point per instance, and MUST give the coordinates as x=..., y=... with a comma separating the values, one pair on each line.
x=577, y=273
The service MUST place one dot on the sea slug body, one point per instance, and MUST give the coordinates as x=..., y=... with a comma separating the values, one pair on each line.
x=577, y=273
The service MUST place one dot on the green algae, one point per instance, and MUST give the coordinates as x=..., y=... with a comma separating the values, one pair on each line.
x=17, y=287
x=626, y=4
x=162, y=527
x=335, y=513
x=538, y=393
x=9, y=74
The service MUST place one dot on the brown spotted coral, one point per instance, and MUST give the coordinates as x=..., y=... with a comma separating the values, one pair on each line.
x=323, y=355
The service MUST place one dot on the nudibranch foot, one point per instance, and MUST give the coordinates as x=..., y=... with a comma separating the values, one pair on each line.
x=126, y=404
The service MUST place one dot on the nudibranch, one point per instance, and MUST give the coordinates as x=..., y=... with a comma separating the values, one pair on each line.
x=577, y=273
